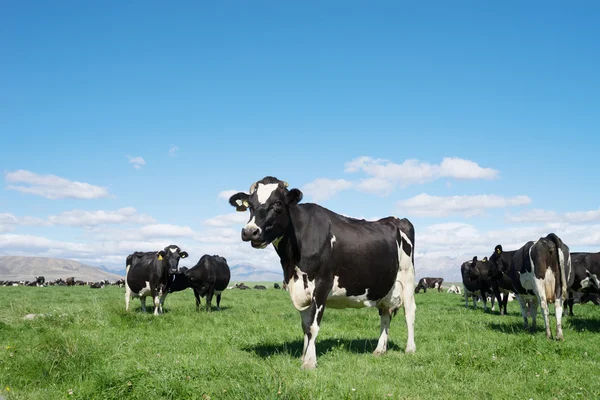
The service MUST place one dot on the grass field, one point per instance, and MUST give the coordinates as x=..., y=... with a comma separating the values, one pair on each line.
x=90, y=348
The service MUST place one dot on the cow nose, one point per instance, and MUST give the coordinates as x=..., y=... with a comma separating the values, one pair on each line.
x=251, y=233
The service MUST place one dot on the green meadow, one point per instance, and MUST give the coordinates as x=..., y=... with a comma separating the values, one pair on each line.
x=86, y=346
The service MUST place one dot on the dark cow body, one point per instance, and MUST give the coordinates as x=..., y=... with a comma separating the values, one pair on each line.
x=71, y=281
x=429, y=283
x=476, y=281
x=332, y=260
x=260, y=287
x=39, y=280
x=208, y=277
x=276, y=286
x=96, y=285
x=586, y=275
x=148, y=274
x=241, y=286
x=540, y=272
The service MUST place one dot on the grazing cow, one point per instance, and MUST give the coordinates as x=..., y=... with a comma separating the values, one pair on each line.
x=429, y=283
x=39, y=280
x=276, y=286
x=71, y=281
x=540, y=272
x=148, y=274
x=476, y=282
x=260, y=287
x=332, y=260
x=586, y=272
x=241, y=286
x=97, y=285
x=454, y=289
x=208, y=277
x=120, y=283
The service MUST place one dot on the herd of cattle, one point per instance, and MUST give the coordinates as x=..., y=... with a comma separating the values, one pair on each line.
x=331, y=260
x=41, y=281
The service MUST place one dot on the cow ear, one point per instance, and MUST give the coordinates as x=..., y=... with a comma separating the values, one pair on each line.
x=484, y=259
x=240, y=201
x=161, y=254
x=474, y=260
x=498, y=249
x=293, y=197
x=183, y=254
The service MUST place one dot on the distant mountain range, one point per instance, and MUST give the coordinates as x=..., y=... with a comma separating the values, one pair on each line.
x=27, y=268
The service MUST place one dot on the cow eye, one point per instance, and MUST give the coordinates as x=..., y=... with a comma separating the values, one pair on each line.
x=277, y=204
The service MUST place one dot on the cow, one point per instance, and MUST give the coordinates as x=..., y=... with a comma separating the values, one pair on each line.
x=120, y=283
x=540, y=271
x=454, y=289
x=148, y=274
x=276, y=286
x=209, y=277
x=502, y=285
x=97, y=285
x=586, y=272
x=260, y=287
x=332, y=260
x=241, y=286
x=39, y=280
x=476, y=282
x=429, y=283
x=71, y=281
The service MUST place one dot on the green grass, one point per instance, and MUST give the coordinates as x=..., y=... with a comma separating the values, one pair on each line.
x=251, y=350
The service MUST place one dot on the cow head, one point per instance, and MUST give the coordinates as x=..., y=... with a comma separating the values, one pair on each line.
x=170, y=256
x=497, y=266
x=269, y=202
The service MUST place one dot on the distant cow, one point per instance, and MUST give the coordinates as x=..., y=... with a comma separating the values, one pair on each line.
x=260, y=287
x=586, y=271
x=429, y=283
x=476, y=282
x=209, y=277
x=120, y=283
x=39, y=280
x=148, y=274
x=330, y=260
x=71, y=281
x=454, y=289
x=241, y=286
x=97, y=285
x=540, y=272
x=276, y=286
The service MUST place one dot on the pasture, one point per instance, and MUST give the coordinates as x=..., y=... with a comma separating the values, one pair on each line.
x=90, y=348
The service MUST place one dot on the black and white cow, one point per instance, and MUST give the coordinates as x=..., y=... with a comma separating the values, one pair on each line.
x=586, y=271
x=429, y=283
x=476, y=282
x=148, y=274
x=39, y=280
x=540, y=271
x=501, y=282
x=332, y=260
x=209, y=277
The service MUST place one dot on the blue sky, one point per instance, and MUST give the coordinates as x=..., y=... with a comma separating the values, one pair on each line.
x=496, y=106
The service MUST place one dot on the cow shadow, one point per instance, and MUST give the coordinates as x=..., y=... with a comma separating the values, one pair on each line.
x=294, y=348
x=583, y=324
x=513, y=328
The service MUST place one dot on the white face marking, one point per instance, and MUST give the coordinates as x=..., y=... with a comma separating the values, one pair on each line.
x=332, y=241
x=173, y=250
x=264, y=191
x=252, y=224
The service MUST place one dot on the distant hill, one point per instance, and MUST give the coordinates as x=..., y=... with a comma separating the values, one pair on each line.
x=250, y=273
x=27, y=268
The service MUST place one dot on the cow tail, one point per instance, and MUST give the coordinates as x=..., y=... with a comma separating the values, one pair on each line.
x=561, y=263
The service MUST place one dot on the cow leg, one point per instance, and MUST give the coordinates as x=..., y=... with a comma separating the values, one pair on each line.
x=407, y=281
x=533, y=309
x=570, y=302
x=493, y=302
x=127, y=298
x=143, y=302
x=466, y=299
x=385, y=331
x=156, y=297
x=219, y=302
x=209, y=297
x=197, y=295
x=558, y=310
x=523, y=311
x=311, y=321
x=474, y=297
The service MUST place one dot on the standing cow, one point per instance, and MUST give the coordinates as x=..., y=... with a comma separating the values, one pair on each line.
x=429, y=283
x=148, y=274
x=586, y=274
x=332, y=260
x=208, y=277
x=540, y=271
x=476, y=281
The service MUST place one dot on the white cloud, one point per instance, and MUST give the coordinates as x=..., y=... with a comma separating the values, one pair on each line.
x=384, y=174
x=52, y=187
x=425, y=205
x=136, y=161
x=173, y=150
x=539, y=215
x=322, y=188
x=224, y=220
x=226, y=194
x=94, y=218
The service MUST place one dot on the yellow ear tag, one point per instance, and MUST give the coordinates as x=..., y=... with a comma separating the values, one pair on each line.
x=498, y=251
x=159, y=257
x=246, y=204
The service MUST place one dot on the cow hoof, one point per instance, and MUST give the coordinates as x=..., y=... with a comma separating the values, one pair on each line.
x=410, y=349
x=379, y=352
x=309, y=366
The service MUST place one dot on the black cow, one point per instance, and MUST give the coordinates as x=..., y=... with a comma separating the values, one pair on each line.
x=476, y=282
x=148, y=274
x=241, y=286
x=540, y=271
x=332, y=260
x=208, y=277
x=586, y=271
x=260, y=287
x=71, y=281
x=429, y=283
x=502, y=286
x=276, y=286
x=39, y=280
